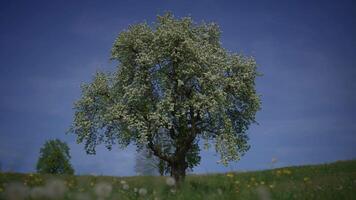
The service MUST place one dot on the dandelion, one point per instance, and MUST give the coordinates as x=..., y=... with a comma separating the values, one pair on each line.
x=92, y=184
x=122, y=182
x=170, y=181
x=70, y=183
x=262, y=182
x=263, y=193
x=142, y=191
x=237, y=182
x=220, y=191
x=125, y=187
x=173, y=190
x=271, y=186
x=230, y=175
x=135, y=190
x=237, y=190
x=38, y=193
x=103, y=190
x=55, y=188
x=306, y=179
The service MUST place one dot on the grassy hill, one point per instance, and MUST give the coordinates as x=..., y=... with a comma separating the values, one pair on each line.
x=327, y=181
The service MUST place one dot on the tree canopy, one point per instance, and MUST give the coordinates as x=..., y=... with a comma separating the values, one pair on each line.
x=54, y=158
x=174, y=85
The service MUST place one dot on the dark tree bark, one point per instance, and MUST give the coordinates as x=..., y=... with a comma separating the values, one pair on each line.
x=178, y=171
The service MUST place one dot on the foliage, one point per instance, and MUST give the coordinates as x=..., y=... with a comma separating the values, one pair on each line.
x=327, y=181
x=175, y=85
x=54, y=158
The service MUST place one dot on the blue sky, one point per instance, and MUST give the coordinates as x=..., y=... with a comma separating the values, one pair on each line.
x=305, y=49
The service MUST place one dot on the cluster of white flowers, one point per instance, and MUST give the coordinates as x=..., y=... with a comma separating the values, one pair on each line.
x=158, y=78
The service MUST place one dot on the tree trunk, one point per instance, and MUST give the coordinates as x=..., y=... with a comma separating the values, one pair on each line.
x=178, y=171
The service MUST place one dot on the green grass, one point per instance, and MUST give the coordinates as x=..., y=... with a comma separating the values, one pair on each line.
x=327, y=181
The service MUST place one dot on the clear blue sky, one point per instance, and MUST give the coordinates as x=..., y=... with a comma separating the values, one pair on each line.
x=305, y=49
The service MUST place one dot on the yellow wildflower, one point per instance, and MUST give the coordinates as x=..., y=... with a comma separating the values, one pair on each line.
x=231, y=175
x=286, y=171
x=262, y=182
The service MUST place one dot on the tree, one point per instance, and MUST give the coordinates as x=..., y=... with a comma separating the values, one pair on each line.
x=54, y=158
x=175, y=85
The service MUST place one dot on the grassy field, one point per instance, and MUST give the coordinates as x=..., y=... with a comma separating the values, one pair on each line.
x=327, y=181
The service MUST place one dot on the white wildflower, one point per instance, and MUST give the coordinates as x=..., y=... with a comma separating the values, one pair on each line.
x=170, y=181
x=38, y=193
x=103, y=190
x=263, y=193
x=142, y=191
x=55, y=189
x=125, y=186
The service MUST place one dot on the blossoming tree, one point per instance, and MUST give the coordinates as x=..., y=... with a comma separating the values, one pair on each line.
x=174, y=86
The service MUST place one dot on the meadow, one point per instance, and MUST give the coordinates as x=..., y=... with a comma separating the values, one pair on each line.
x=326, y=181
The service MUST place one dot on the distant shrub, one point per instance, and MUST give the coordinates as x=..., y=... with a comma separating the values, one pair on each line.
x=54, y=158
